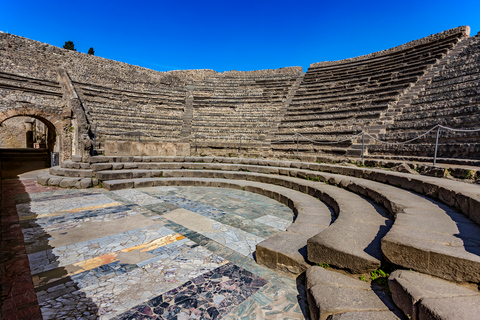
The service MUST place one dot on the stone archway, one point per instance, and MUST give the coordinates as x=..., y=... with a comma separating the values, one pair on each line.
x=60, y=131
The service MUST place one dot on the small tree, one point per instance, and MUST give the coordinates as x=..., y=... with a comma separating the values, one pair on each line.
x=91, y=51
x=69, y=46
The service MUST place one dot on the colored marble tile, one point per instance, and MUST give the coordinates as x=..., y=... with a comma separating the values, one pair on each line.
x=209, y=296
x=229, y=217
x=205, y=210
x=246, y=204
x=275, y=222
x=233, y=238
x=40, y=227
x=70, y=254
x=137, y=197
x=122, y=268
x=35, y=209
x=163, y=207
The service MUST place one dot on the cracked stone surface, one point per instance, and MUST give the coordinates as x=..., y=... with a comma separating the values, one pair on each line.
x=152, y=253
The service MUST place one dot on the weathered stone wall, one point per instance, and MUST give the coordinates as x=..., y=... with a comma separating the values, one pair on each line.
x=133, y=148
x=13, y=133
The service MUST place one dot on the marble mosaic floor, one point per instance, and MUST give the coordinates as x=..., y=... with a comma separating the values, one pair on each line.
x=152, y=253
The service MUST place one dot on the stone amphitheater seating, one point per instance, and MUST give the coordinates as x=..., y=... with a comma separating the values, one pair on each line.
x=332, y=295
x=453, y=255
x=425, y=297
x=225, y=105
x=351, y=218
x=337, y=99
x=427, y=235
x=449, y=96
x=155, y=113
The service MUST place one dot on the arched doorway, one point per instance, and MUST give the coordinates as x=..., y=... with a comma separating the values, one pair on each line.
x=28, y=143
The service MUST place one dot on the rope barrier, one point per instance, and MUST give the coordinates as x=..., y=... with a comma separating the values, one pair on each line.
x=292, y=137
x=459, y=130
x=404, y=142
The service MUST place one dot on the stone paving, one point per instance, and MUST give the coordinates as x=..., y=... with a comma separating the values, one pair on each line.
x=151, y=253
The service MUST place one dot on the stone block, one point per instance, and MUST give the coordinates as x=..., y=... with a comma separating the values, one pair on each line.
x=431, y=171
x=306, y=229
x=101, y=159
x=331, y=293
x=125, y=159
x=325, y=300
x=422, y=296
x=54, y=181
x=366, y=315
x=141, y=174
x=118, y=185
x=130, y=165
x=114, y=175
x=117, y=166
x=316, y=275
x=83, y=166
x=143, y=183
x=285, y=252
x=43, y=179
x=102, y=166
x=463, y=173
x=76, y=158
x=83, y=183
x=68, y=182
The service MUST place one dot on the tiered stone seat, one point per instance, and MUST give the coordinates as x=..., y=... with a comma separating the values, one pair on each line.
x=424, y=297
x=233, y=103
x=154, y=113
x=337, y=99
x=450, y=97
x=397, y=201
x=332, y=295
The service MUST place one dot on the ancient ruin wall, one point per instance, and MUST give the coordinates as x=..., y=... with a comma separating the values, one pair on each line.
x=115, y=95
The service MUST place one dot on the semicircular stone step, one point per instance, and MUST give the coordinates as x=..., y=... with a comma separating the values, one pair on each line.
x=332, y=295
x=354, y=242
x=287, y=250
x=421, y=296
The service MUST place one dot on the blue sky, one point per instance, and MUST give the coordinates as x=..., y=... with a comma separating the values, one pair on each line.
x=230, y=34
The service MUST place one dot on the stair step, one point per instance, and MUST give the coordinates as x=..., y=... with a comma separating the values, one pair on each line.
x=425, y=297
x=332, y=293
